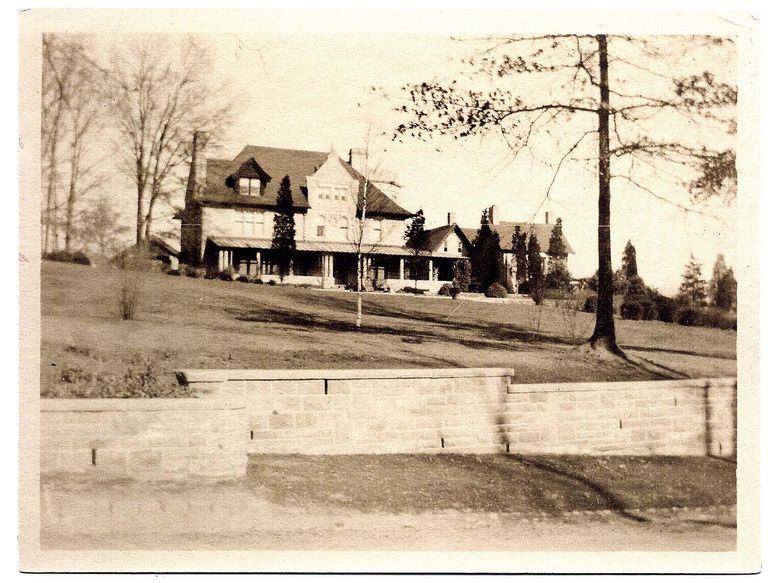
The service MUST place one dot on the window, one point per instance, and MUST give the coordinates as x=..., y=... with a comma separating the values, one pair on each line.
x=377, y=229
x=459, y=246
x=321, y=230
x=344, y=226
x=247, y=223
x=445, y=247
x=250, y=186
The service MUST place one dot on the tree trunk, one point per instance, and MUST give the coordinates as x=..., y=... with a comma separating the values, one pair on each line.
x=139, y=215
x=604, y=336
x=74, y=175
x=359, y=317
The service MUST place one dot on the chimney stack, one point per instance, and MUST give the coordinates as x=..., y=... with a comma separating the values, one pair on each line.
x=492, y=214
x=546, y=217
x=451, y=219
x=357, y=159
x=197, y=170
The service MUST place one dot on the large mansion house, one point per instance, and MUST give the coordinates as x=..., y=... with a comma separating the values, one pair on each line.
x=228, y=218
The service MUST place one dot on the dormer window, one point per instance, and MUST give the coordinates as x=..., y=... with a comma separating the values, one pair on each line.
x=250, y=186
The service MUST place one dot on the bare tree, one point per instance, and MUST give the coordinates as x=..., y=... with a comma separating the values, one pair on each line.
x=551, y=88
x=368, y=204
x=99, y=230
x=72, y=115
x=160, y=95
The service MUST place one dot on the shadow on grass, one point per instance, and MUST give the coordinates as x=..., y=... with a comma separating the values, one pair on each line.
x=608, y=498
x=704, y=354
x=490, y=334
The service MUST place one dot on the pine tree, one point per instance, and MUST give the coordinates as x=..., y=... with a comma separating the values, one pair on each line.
x=486, y=254
x=556, y=245
x=722, y=286
x=693, y=289
x=284, y=237
x=535, y=273
x=629, y=261
x=416, y=241
x=520, y=252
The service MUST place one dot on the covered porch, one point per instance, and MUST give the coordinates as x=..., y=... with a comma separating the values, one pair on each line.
x=330, y=265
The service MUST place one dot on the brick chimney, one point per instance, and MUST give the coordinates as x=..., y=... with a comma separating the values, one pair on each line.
x=197, y=169
x=493, y=213
x=451, y=219
x=357, y=159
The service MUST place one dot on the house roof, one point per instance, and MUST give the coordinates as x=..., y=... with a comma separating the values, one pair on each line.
x=275, y=163
x=507, y=229
x=437, y=236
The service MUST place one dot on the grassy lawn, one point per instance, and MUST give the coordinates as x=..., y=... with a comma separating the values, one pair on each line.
x=195, y=323
x=494, y=483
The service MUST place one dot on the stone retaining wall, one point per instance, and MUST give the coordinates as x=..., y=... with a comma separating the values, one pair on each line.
x=154, y=439
x=474, y=411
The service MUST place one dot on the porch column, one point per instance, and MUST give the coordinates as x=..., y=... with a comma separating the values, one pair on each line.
x=221, y=260
x=430, y=269
x=258, y=263
x=402, y=269
x=330, y=267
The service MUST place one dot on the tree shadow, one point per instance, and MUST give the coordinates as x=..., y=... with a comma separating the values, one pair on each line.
x=609, y=499
x=722, y=355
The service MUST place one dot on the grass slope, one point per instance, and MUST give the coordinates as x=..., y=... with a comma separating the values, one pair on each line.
x=193, y=323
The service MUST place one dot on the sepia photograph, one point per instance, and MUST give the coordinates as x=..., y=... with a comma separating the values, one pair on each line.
x=451, y=292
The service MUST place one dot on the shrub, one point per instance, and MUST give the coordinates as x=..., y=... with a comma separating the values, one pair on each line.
x=590, y=305
x=258, y=281
x=445, y=290
x=496, y=290
x=474, y=288
x=68, y=257
x=417, y=291
x=227, y=274
x=271, y=282
x=192, y=271
x=650, y=310
x=130, y=291
x=631, y=310
x=666, y=309
x=524, y=287
x=709, y=317
x=243, y=278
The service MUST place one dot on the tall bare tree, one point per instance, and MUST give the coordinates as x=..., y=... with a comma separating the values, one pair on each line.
x=638, y=101
x=72, y=114
x=161, y=93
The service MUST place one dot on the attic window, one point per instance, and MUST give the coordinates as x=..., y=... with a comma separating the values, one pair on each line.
x=445, y=247
x=459, y=246
x=250, y=186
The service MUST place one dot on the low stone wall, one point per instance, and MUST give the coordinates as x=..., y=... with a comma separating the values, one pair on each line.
x=156, y=439
x=474, y=411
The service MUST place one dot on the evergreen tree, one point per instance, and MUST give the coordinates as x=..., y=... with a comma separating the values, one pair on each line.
x=416, y=241
x=520, y=252
x=693, y=289
x=629, y=261
x=462, y=274
x=284, y=236
x=558, y=276
x=556, y=245
x=535, y=273
x=486, y=254
x=722, y=286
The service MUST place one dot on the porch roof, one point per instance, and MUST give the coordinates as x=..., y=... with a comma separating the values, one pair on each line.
x=320, y=246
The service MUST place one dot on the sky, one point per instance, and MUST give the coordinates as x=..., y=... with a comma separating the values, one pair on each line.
x=314, y=92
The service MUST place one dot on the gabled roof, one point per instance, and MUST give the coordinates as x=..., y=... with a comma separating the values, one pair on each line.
x=378, y=203
x=437, y=236
x=276, y=163
x=507, y=229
